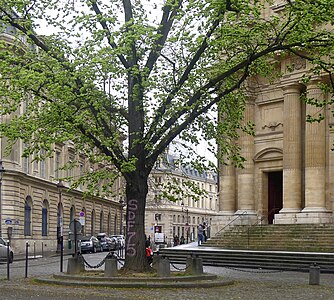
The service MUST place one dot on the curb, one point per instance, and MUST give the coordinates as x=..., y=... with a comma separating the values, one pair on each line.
x=191, y=281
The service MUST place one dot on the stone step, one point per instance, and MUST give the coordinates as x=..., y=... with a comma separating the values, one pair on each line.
x=303, y=237
x=276, y=260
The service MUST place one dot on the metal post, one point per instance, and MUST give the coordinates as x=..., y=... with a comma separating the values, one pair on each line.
x=8, y=260
x=75, y=240
x=34, y=249
x=187, y=216
x=61, y=253
x=121, y=202
x=2, y=170
x=26, y=269
x=42, y=249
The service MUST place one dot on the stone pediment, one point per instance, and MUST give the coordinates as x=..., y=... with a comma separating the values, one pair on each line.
x=269, y=154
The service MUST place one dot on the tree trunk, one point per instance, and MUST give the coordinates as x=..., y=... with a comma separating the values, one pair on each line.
x=136, y=192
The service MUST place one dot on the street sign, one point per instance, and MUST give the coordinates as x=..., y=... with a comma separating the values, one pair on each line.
x=75, y=226
x=82, y=214
x=82, y=221
x=8, y=221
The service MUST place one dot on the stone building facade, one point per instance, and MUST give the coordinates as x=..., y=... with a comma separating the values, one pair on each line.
x=35, y=209
x=289, y=168
x=38, y=211
x=182, y=217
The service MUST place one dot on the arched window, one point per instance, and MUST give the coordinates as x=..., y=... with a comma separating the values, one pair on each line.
x=115, y=223
x=92, y=225
x=109, y=224
x=27, y=216
x=45, y=209
x=101, y=221
x=72, y=213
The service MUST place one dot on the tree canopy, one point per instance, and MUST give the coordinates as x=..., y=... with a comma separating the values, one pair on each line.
x=124, y=79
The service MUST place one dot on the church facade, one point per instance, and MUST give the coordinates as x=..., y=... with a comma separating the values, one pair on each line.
x=289, y=169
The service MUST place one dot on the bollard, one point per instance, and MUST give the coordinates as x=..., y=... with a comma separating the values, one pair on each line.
x=314, y=278
x=189, y=265
x=194, y=265
x=156, y=261
x=42, y=249
x=197, y=266
x=163, y=267
x=110, y=269
x=34, y=249
x=75, y=265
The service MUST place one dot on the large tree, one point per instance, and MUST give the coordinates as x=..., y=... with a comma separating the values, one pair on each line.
x=124, y=79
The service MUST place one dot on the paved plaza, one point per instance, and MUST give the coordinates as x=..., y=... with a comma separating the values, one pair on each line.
x=248, y=284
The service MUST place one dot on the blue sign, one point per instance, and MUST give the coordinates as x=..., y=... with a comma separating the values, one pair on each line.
x=8, y=221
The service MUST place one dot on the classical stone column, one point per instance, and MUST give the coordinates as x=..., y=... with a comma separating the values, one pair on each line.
x=315, y=160
x=245, y=176
x=292, y=154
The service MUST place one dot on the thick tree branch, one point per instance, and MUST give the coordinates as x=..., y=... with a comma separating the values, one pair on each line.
x=202, y=91
x=197, y=111
x=105, y=27
x=162, y=109
x=167, y=19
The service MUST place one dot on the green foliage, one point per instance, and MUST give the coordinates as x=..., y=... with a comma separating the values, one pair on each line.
x=154, y=73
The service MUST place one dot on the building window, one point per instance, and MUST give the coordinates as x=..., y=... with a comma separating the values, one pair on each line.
x=57, y=164
x=25, y=161
x=42, y=164
x=109, y=224
x=72, y=213
x=101, y=221
x=92, y=228
x=27, y=217
x=45, y=218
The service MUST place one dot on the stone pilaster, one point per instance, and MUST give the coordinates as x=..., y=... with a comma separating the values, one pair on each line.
x=227, y=198
x=292, y=155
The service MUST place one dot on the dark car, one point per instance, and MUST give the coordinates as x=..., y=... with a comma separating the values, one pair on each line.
x=3, y=251
x=107, y=243
x=90, y=244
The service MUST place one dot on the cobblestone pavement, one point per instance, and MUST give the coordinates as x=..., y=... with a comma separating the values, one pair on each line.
x=249, y=284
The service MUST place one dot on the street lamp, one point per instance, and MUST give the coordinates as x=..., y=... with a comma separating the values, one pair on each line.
x=122, y=204
x=2, y=171
x=187, y=219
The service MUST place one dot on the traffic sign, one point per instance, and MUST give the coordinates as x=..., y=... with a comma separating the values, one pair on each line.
x=75, y=226
x=8, y=221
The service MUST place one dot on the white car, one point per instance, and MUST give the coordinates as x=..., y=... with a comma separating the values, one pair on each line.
x=120, y=239
x=3, y=251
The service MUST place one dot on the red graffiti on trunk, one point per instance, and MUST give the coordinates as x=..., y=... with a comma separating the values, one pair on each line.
x=131, y=216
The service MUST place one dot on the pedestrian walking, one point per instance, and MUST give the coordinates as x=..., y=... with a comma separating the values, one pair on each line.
x=200, y=234
x=204, y=232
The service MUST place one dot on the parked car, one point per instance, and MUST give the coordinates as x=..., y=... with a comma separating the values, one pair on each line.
x=107, y=243
x=90, y=244
x=3, y=251
x=120, y=240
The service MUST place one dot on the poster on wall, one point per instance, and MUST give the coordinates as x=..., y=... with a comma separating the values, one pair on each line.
x=159, y=237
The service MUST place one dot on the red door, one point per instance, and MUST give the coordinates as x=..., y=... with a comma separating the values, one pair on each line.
x=275, y=194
